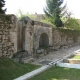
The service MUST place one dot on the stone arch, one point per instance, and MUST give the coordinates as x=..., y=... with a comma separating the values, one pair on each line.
x=44, y=40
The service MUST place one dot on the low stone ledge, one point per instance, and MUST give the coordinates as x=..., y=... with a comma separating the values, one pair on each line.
x=74, y=61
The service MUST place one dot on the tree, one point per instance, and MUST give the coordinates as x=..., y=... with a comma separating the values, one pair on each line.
x=73, y=24
x=53, y=12
x=65, y=15
x=2, y=3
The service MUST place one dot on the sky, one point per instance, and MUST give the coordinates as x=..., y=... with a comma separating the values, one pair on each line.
x=36, y=6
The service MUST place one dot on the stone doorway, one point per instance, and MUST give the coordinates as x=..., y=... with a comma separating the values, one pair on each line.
x=44, y=40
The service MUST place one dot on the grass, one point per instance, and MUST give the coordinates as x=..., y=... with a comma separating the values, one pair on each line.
x=58, y=73
x=76, y=57
x=10, y=70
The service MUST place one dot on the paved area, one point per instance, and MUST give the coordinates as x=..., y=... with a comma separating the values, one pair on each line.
x=52, y=56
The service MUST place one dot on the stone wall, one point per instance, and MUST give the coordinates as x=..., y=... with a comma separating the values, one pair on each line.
x=8, y=35
x=32, y=35
x=65, y=38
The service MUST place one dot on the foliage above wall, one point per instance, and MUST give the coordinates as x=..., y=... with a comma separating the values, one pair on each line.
x=20, y=14
x=53, y=12
x=73, y=24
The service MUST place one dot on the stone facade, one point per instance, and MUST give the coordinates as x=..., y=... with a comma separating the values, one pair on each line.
x=32, y=36
x=65, y=38
x=8, y=37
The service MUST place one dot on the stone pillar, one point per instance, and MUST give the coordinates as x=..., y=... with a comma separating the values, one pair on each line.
x=29, y=38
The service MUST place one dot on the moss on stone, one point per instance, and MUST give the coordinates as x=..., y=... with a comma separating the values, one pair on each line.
x=69, y=33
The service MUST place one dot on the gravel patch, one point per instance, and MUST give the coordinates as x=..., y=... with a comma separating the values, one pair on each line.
x=52, y=56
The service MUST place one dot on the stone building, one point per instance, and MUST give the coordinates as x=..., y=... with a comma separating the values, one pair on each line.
x=32, y=36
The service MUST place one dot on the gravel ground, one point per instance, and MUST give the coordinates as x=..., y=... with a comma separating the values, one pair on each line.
x=56, y=55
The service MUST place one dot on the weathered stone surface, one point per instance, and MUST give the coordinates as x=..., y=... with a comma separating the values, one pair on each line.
x=74, y=61
x=30, y=35
x=6, y=26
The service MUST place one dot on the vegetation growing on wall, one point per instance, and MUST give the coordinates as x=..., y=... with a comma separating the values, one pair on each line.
x=70, y=33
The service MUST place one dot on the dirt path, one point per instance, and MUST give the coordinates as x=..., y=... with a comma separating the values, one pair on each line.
x=55, y=55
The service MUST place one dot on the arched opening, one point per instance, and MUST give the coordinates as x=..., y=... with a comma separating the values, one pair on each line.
x=44, y=40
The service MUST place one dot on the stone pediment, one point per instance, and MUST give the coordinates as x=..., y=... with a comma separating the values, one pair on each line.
x=25, y=19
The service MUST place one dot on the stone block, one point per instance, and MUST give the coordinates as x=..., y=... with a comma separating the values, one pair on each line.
x=7, y=32
x=0, y=40
x=74, y=61
x=4, y=55
x=9, y=43
x=65, y=61
x=0, y=54
x=3, y=45
x=1, y=32
x=28, y=60
x=0, y=46
x=4, y=52
x=40, y=51
x=0, y=36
